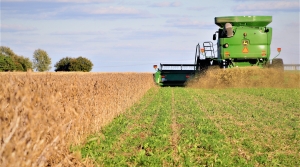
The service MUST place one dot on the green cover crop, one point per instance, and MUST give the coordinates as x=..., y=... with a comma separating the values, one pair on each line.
x=202, y=127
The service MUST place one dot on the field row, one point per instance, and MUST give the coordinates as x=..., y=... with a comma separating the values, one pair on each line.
x=202, y=127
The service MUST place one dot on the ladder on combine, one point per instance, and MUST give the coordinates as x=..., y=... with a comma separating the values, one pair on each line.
x=205, y=57
x=209, y=49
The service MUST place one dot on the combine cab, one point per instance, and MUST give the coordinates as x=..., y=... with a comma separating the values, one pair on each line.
x=243, y=41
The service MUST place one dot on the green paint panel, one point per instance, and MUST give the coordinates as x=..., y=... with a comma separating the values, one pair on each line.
x=250, y=41
x=259, y=21
x=247, y=42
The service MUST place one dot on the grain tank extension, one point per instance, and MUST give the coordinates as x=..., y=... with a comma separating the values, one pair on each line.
x=241, y=41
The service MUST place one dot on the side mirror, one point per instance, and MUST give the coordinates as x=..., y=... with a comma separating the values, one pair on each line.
x=214, y=37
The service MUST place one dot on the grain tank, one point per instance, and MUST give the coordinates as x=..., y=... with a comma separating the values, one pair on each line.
x=242, y=41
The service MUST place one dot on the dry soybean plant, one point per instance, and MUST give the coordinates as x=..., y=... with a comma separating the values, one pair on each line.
x=246, y=78
x=43, y=114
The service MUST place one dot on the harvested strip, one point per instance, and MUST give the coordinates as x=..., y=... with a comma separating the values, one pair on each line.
x=175, y=133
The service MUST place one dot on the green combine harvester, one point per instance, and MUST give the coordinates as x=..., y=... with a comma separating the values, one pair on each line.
x=243, y=41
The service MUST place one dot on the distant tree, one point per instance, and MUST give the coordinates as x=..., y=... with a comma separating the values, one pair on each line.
x=63, y=64
x=74, y=64
x=16, y=59
x=20, y=63
x=81, y=64
x=24, y=62
x=11, y=56
x=6, y=63
x=41, y=60
x=6, y=51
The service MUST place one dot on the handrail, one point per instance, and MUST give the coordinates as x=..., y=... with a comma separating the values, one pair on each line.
x=197, y=54
x=291, y=66
x=177, y=65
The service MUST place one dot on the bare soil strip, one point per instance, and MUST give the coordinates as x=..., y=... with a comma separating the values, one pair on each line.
x=175, y=133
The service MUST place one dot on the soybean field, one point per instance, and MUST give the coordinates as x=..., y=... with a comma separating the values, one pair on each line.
x=202, y=127
x=242, y=117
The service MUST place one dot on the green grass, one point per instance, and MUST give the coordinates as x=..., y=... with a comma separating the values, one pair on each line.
x=292, y=71
x=203, y=127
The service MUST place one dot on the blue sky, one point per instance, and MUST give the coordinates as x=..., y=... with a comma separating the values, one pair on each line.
x=133, y=35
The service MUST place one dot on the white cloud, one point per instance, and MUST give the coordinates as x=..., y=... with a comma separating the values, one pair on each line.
x=81, y=1
x=112, y=10
x=77, y=11
x=154, y=34
x=174, y=15
x=188, y=23
x=68, y=1
x=199, y=8
x=77, y=33
x=15, y=28
x=268, y=0
x=166, y=4
x=268, y=6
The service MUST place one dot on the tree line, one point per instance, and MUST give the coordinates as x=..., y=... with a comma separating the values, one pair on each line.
x=9, y=61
